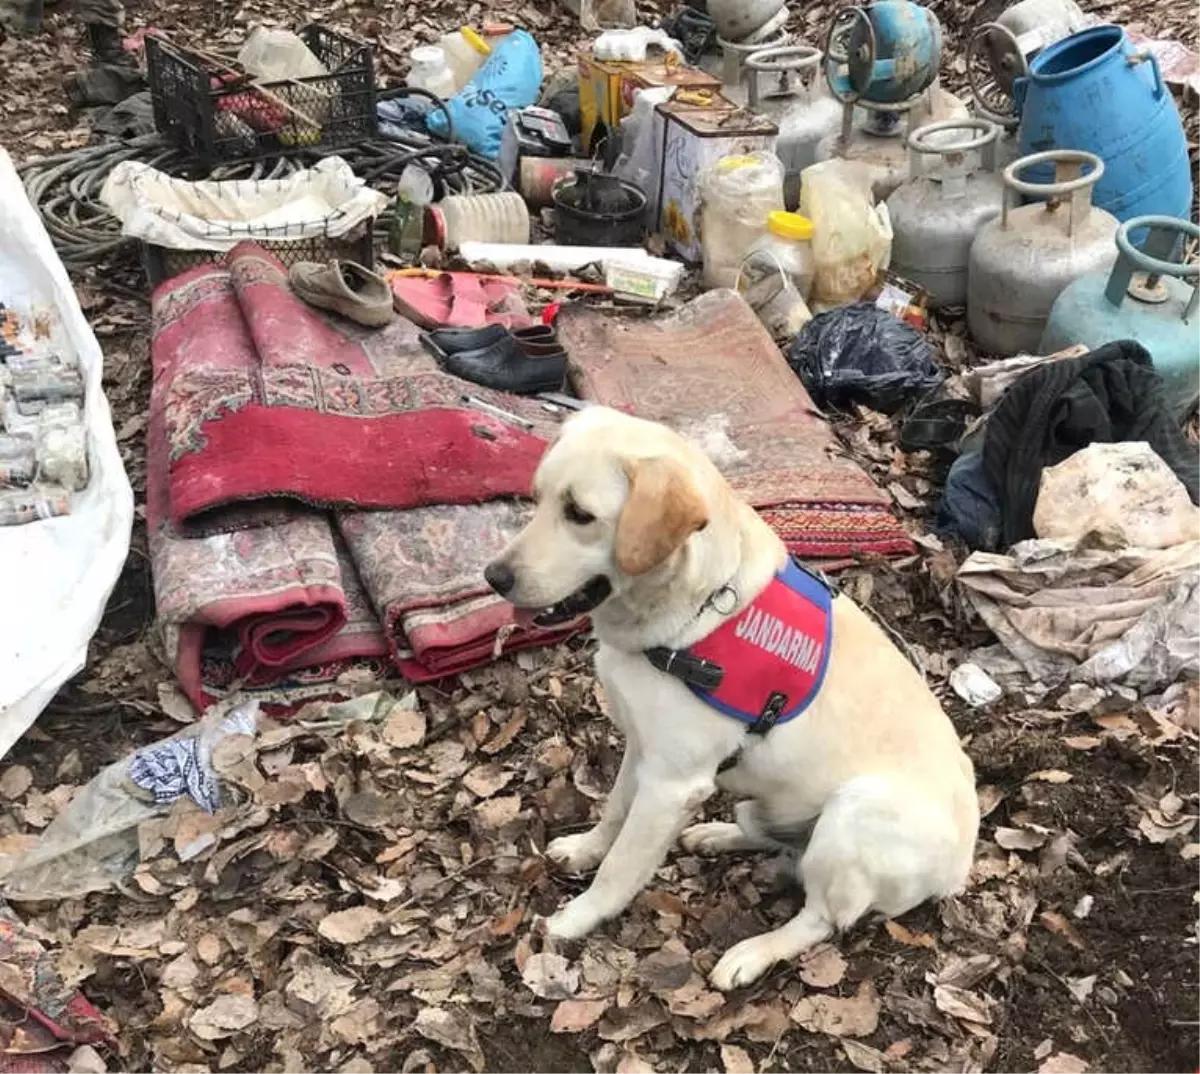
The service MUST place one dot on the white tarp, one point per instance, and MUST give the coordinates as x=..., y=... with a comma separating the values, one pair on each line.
x=328, y=199
x=56, y=574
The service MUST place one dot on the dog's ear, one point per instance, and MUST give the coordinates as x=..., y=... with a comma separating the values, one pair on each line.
x=663, y=510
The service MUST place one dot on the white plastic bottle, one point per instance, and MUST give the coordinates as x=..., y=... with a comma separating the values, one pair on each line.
x=465, y=51
x=428, y=70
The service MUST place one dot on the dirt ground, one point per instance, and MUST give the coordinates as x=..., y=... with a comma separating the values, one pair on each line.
x=371, y=901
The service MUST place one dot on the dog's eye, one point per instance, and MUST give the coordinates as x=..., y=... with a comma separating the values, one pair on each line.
x=572, y=512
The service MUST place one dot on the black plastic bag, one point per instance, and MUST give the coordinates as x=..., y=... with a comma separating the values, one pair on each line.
x=862, y=354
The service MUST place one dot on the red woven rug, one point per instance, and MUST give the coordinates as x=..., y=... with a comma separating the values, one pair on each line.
x=42, y=1020
x=711, y=371
x=266, y=593
x=265, y=400
x=423, y=569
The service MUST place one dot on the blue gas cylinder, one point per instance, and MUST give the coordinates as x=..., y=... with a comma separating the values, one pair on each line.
x=1094, y=91
x=885, y=53
x=1149, y=297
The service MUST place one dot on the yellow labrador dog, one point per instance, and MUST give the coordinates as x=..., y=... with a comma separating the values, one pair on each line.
x=636, y=526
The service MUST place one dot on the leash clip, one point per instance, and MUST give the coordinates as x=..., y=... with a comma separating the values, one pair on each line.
x=771, y=712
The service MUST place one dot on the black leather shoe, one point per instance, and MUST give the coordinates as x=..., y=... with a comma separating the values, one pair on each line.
x=504, y=367
x=452, y=340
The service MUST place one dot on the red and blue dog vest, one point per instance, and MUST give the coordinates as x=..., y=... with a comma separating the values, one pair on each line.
x=765, y=665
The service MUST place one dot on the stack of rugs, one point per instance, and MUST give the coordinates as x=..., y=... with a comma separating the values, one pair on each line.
x=321, y=495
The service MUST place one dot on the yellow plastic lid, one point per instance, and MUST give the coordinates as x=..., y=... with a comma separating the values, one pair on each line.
x=476, y=41
x=729, y=164
x=790, y=226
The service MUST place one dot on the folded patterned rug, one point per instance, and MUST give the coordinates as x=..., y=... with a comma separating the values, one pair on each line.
x=267, y=592
x=711, y=371
x=263, y=394
x=423, y=569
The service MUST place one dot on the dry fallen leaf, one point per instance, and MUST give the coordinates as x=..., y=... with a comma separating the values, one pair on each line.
x=576, y=1015
x=1050, y=775
x=1020, y=838
x=1081, y=742
x=989, y=796
x=350, y=926
x=735, y=1060
x=633, y=1064
x=854, y=1016
x=497, y=812
x=451, y=1028
x=864, y=1057
x=485, y=780
x=822, y=967
x=224, y=1017
x=1063, y=1063
x=959, y=1003
x=550, y=976
x=902, y=934
x=404, y=728
x=1156, y=827
x=1057, y=923
x=1081, y=987
x=15, y=781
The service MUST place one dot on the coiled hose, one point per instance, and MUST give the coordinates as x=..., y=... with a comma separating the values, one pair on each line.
x=65, y=188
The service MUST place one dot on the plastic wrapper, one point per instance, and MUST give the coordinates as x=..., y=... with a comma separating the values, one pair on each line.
x=737, y=194
x=860, y=354
x=18, y=508
x=93, y=843
x=852, y=237
x=511, y=78
x=18, y=460
x=62, y=454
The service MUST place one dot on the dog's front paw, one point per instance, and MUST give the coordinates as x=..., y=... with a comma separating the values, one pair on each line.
x=711, y=838
x=573, y=921
x=744, y=963
x=579, y=853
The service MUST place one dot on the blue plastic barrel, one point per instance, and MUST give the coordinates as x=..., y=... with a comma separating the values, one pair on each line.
x=1094, y=91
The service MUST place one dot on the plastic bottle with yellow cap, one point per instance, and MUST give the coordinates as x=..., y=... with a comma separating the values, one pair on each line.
x=789, y=241
x=465, y=51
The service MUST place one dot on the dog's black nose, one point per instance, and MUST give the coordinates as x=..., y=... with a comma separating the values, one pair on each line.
x=500, y=577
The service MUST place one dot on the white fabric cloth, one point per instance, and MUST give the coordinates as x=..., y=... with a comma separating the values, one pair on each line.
x=328, y=199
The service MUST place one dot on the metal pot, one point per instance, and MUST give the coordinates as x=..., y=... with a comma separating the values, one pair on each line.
x=782, y=86
x=1144, y=298
x=1022, y=260
x=935, y=217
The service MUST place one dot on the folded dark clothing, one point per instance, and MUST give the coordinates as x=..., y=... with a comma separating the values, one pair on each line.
x=1109, y=395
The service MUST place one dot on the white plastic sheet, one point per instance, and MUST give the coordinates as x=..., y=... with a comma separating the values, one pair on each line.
x=57, y=573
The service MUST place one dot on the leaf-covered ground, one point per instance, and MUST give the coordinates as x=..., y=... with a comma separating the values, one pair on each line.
x=370, y=902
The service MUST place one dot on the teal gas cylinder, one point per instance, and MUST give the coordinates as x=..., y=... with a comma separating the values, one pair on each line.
x=1149, y=296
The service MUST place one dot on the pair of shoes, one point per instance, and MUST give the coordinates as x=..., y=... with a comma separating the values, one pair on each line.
x=344, y=287
x=523, y=362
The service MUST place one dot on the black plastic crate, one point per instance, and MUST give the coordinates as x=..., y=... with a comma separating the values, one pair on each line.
x=216, y=117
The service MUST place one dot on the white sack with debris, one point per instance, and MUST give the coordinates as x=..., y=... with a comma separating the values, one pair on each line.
x=326, y=200
x=57, y=572
x=1110, y=590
